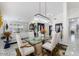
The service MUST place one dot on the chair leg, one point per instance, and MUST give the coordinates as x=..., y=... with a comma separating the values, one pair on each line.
x=32, y=54
x=49, y=53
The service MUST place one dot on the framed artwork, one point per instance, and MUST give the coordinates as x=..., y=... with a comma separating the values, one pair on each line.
x=41, y=27
x=31, y=27
x=58, y=27
x=50, y=30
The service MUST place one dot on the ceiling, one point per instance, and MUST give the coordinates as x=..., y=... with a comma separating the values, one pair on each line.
x=18, y=9
x=26, y=10
x=73, y=9
x=72, y=5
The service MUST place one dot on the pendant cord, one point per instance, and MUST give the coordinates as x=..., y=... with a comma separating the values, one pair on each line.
x=40, y=7
x=45, y=9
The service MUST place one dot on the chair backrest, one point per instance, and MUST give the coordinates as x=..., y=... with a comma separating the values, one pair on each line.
x=18, y=39
x=24, y=34
x=56, y=37
x=19, y=42
x=59, y=37
x=31, y=35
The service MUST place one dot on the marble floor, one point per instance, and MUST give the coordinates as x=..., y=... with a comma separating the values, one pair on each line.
x=9, y=51
x=73, y=47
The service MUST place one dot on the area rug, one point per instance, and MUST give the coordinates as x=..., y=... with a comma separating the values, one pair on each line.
x=59, y=50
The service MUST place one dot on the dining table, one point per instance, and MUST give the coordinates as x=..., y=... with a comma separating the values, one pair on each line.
x=36, y=42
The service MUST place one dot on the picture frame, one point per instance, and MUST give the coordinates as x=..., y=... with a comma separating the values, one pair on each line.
x=58, y=27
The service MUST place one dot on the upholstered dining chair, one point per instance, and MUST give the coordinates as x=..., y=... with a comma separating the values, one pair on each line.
x=50, y=45
x=24, y=48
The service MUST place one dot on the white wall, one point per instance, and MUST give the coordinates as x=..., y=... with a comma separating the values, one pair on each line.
x=73, y=9
x=73, y=13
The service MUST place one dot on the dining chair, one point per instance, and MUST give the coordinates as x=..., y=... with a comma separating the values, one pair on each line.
x=50, y=45
x=24, y=48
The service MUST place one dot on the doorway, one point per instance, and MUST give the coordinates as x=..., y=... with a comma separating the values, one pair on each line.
x=73, y=30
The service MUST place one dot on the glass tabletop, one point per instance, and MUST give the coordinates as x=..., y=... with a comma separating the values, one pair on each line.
x=34, y=40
